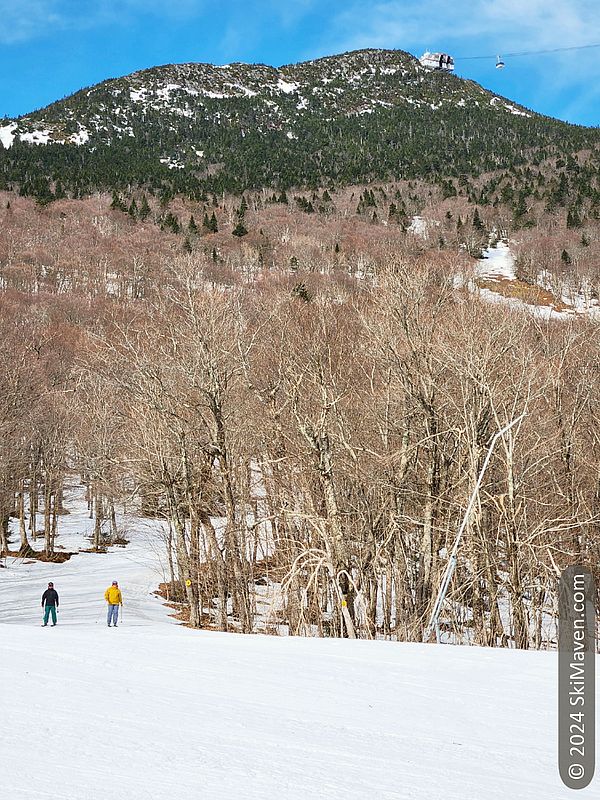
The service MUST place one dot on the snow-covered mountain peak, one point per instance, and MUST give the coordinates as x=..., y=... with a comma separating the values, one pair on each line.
x=352, y=83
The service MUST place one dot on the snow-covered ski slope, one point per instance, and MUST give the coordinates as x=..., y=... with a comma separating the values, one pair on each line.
x=154, y=710
x=139, y=567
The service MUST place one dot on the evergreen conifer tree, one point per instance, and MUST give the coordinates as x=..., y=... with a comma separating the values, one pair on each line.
x=117, y=203
x=144, y=211
x=301, y=292
x=565, y=258
x=240, y=230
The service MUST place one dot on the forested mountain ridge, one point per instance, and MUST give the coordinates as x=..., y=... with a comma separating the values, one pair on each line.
x=353, y=118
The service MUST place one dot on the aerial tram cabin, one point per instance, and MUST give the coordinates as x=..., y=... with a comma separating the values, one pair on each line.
x=440, y=61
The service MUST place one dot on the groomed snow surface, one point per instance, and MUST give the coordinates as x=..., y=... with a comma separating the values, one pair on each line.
x=155, y=710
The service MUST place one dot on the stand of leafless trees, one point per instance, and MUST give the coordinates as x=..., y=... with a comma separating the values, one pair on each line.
x=321, y=443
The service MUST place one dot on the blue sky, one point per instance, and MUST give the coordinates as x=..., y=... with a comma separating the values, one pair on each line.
x=51, y=48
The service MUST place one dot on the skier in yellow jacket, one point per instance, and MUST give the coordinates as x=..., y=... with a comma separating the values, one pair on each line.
x=114, y=599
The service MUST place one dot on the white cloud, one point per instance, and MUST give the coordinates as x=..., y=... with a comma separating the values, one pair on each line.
x=508, y=25
x=23, y=20
x=290, y=13
x=246, y=24
x=180, y=9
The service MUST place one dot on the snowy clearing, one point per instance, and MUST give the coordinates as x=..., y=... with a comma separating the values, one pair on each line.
x=497, y=262
x=496, y=269
x=153, y=709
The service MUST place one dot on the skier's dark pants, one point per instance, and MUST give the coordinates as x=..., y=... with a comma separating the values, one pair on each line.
x=50, y=610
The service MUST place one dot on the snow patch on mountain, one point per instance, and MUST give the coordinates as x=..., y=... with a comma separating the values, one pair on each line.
x=7, y=134
x=419, y=226
x=515, y=110
x=509, y=107
x=164, y=92
x=243, y=89
x=138, y=95
x=285, y=87
x=36, y=137
x=172, y=164
x=80, y=138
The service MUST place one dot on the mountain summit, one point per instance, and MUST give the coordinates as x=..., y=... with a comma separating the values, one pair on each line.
x=359, y=116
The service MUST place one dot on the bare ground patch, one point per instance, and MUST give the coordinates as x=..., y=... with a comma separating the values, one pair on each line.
x=525, y=292
x=34, y=555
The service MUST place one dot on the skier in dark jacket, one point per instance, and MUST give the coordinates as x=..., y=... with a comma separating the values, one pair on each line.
x=50, y=600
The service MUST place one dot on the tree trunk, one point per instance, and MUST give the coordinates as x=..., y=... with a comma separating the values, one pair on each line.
x=25, y=548
x=47, y=516
x=97, y=506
